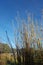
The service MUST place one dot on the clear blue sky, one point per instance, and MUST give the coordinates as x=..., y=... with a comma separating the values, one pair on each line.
x=8, y=10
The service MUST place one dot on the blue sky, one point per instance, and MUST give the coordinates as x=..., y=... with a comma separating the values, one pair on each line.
x=8, y=10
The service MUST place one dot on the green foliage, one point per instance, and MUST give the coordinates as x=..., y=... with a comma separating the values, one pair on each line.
x=4, y=48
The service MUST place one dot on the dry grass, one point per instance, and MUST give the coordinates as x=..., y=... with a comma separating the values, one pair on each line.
x=4, y=57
